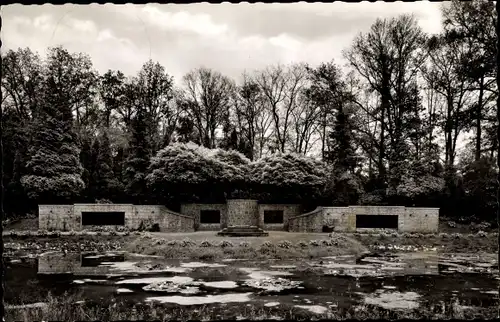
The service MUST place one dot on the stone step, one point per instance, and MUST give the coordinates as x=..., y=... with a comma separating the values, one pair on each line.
x=244, y=230
x=243, y=234
x=240, y=231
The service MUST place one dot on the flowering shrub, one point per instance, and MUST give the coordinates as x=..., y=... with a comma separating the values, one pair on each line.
x=225, y=243
x=206, y=243
x=285, y=244
x=244, y=244
x=159, y=241
x=296, y=176
x=187, y=243
x=315, y=243
x=302, y=244
x=182, y=168
x=267, y=244
x=327, y=242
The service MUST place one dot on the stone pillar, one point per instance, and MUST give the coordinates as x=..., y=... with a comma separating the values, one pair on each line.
x=242, y=212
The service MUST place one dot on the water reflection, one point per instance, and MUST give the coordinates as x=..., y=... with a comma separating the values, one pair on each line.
x=392, y=281
x=86, y=264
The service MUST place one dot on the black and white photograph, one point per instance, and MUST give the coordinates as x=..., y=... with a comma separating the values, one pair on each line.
x=250, y=161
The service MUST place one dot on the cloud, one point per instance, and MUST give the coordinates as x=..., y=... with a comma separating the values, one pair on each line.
x=199, y=23
x=183, y=21
x=285, y=41
x=229, y=38
x=77, y=35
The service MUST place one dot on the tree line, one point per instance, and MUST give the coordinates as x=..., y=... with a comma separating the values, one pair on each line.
x=385, y=131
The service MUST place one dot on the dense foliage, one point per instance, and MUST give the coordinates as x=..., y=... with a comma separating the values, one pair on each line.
x=288, y=177
x=189, y=172
x=410, y=122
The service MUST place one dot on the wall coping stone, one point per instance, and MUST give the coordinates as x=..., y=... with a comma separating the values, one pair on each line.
x=279, y=204
x=47, y=205
x=104, y=204
x=204, y=204
x=176, y=213
x=307, y=214
x=366, y=206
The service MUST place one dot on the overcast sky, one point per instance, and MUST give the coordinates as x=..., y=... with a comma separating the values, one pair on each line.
x=227, y=37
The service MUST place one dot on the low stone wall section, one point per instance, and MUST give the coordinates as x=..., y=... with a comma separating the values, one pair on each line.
x=130, y=216
x=193, y=210
x=421, y=220
x=69, y=217
x=289, y=210
x=339, y=218
x=58, y=217
x=167, y=220
x=176, y=222
x=308, y=222
x=343, y=219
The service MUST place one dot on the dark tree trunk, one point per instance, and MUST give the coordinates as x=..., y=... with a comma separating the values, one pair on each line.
x=478, y=119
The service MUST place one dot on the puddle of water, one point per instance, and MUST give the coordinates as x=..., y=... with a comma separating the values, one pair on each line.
x=256, y=274
x=198, y=265
x=143, y=255
x=151, y=280
x=317, y=309
x=397, y=264
x=221, y=284
x=376, y=279
x=283, y=266
x=199, y=300
x=132, y=267
x=90, y=281
x=394, y=300
x=271, y=304
x=123, y=291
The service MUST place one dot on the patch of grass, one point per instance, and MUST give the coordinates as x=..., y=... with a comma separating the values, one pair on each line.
x=226, y=249
x=67, y=308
